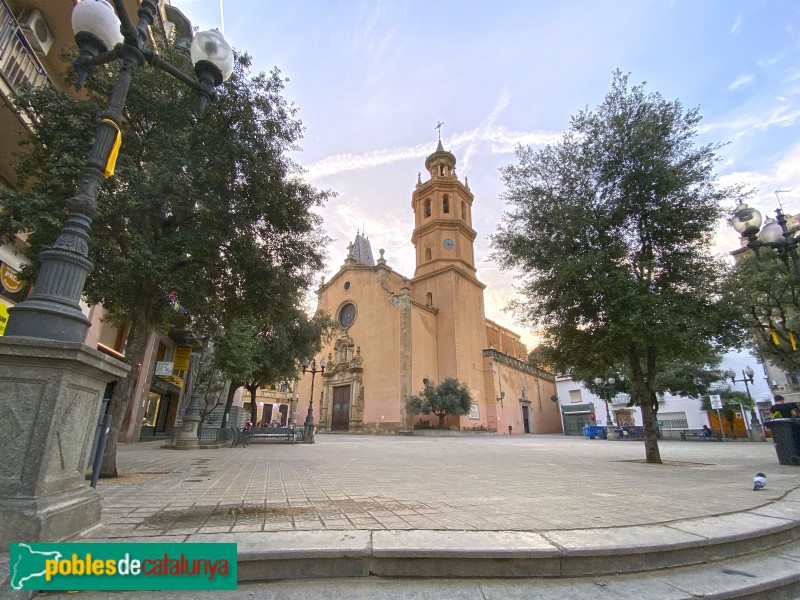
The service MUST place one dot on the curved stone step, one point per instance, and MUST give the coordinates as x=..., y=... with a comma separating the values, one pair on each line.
x=265, y=556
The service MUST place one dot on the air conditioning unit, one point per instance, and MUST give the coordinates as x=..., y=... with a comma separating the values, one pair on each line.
x=38, y=33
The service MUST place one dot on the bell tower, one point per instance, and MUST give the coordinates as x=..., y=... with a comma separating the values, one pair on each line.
x=443, y=234
x=445, y=278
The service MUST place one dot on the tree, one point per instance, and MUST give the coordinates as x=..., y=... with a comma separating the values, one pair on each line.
x=283, y=346
x=450, y=397
x=236, y=357
x=206, y=213
x=609, y=230
x=769, y=293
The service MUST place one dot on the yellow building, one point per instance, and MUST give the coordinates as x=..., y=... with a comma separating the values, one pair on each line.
x=398, y=331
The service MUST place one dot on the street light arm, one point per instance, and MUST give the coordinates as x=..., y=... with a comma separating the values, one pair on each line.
x=128, y=29
x=155, y=60
x=90, y=62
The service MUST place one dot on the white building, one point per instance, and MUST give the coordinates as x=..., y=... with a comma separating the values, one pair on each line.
x=580, y=407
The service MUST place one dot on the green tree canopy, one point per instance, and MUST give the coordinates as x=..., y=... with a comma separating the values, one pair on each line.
x=610, y=230
x=206, y=217
x=450, y=397
x=769, y=293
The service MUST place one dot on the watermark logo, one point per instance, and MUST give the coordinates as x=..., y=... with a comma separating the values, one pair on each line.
x=84, y=566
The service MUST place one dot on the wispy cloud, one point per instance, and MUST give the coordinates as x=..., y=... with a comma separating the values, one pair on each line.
x=499, y=140
x=768, y=62
x=736, y=28
x=780, y=116
x=486, y=126
x=741, y=80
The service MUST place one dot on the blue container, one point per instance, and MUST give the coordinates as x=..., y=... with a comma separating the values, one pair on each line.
x=593, y=432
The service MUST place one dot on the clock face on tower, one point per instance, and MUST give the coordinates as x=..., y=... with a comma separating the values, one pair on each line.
x=448, y=244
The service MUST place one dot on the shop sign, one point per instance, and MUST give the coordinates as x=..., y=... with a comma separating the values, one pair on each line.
x=181, y=359
x=163, y=368
x=3, y=318
x=177, y=381
x=11, y=282
x=12, y=286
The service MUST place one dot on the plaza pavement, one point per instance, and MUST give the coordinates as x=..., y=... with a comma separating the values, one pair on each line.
x=577, y=513
x=480, y=483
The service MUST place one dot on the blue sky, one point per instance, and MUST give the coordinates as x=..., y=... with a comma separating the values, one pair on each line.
x=372, y=79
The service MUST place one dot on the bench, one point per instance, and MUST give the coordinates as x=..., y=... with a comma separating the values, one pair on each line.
x=697, y=434
x=289, y=434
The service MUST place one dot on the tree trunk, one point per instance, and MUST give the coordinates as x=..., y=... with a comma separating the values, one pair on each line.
x=442, y=417
x=235, y=385
x=134, y=354
x=649, y=417
x=645, y=397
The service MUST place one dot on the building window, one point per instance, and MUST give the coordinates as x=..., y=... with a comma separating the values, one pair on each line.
x=429, y=299
x=427, y=207
x=575, y=396
x=673, y=420
x=347, y=285
x=427, y=253
x=347, y=314
x=464, y=210
x=446, y=204
x=793, y=378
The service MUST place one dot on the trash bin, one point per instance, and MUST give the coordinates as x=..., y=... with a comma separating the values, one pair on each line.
x=786, y=437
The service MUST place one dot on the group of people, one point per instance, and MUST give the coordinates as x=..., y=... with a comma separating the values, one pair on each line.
x=249, y=425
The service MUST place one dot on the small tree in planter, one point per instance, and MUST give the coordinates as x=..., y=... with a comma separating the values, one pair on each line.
x=450, y=397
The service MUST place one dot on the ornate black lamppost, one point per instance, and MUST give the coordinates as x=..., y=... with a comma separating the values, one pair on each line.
x=775, y=234
x=45, y=333
x=747, y=377
x=606, y=387
x=53, y=310
x=308, y=427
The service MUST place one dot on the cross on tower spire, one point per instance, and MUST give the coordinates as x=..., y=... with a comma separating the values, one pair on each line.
x=439, y=128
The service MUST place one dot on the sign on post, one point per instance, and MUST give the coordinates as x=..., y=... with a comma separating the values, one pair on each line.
x=716, y=404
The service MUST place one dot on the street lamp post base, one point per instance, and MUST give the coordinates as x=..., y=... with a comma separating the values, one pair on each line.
x=50, y=397
x=757, y=432
x=308, y=433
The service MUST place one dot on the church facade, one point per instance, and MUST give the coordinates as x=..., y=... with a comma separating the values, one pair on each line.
x=396, y=331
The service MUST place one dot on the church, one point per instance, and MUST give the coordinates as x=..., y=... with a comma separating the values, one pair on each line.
x=396, y=332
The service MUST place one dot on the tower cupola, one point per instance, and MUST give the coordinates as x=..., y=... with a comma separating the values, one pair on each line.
x=441, y=163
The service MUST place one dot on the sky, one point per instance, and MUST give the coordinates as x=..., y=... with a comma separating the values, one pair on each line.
x=371, y=80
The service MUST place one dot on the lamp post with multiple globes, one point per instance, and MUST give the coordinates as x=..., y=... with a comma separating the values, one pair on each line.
x=311, y=366
x=103, y=36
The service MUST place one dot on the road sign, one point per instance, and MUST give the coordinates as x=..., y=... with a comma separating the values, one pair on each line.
x=716, y=401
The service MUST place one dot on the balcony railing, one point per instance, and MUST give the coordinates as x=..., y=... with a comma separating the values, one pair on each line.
x=19, y=65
